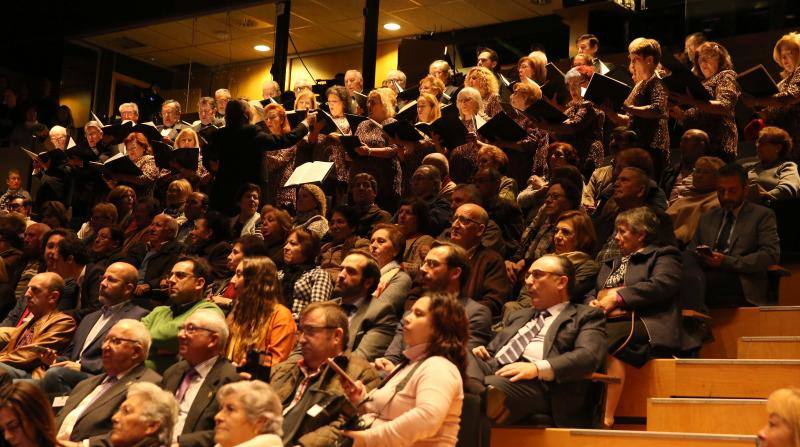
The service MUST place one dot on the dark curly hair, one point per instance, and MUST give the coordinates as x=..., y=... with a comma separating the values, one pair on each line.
x=450, y=330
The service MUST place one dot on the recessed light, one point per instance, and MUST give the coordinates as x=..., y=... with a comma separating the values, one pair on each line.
x=262, y=48
x=391, y=26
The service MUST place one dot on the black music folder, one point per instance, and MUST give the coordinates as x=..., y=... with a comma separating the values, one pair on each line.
x=756, y=81
x=602, y=88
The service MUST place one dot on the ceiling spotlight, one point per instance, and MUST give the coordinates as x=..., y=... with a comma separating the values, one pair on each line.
x=262, y=48
x=391, y=26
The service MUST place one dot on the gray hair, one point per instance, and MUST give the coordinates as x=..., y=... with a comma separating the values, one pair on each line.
x=171, y=224
x=93, y=123
x=157, y=406
x=640, y=220
x=58, y=130
x=213, y=321
x=431, y=173
x=358, y=73
x=573, y=75
x=223, y=91
x=471, y=93
x=140, y=333
x=172, y=102
x=258, y=400
x=398, y=75
x=126, y=105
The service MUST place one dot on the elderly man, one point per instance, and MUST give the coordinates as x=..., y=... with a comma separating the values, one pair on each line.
x=735, y=244
x=196, y=207
x=301, y=85
x=487, y=283
x=87, y=412
x=306, y=382
x=155, y=257
x=83, y=358
x=538, y=364
x=145, y=417
x=47, y=328
x=195, y=380
x=426, y=183
x=207, y=114
x=468, y=193
x=129, y=111
x=186, y=286
x=445, y=270
x=372, y=322
x=270, y=90
x=676, y=180
x=32, y=263
x=171, y=124
x=395, y=79
x=441, y=69
x=363, y=190
x=354, y=83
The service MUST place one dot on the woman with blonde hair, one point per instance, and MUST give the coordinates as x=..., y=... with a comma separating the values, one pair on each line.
x=433, y=85
x=783, y=426
x=378, y=156
x=306, y=100
x=483, y=80
x=533, y=67
x=428, y=109
x=463, y=159
x=281, y=163
x=177, y=193
x=258, y=320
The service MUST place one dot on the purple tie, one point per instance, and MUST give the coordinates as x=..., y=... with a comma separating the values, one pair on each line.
x=187, y=380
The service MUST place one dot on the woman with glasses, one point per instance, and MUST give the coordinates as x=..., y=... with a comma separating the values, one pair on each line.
x=140, y=153
x=258, y=320
x=637, y=291
x=773, y=178
x=419, y=403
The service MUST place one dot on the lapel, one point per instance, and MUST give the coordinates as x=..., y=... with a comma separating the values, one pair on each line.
x=119, y=388
x=355, y=325
x=741, y=221
x=75, y=398
x=173, y=381
x=83, y=330
x=205, y=395
x=567, y=314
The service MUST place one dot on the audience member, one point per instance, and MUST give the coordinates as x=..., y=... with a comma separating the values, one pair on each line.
x=249, y=196
x=342, y=239
x=363, y=190
x=676, y=180
x=145, y=418
x=26, y=417
x=702, y=197
x=413, y=220
x=276, y=224
x=195, y=208
x=249, y=415
x=155, y=256
x=783, y=426
x=301, y=280
x=773, y=178
x=209, y=240
x=386, y=246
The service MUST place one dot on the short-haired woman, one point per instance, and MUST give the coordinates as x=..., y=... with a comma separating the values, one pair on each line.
x=387, y=246
x=420, y=403
x=773, y=177
x=302, y=281
x=311, y=206
x=145, y=419
x=250, y=414
x=258, y=320
x=783, y=426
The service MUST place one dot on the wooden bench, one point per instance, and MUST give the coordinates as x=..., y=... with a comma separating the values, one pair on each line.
x=786, y=347
x=694, y=415
x=720, y=378
x=560, y=437
x=728, y=325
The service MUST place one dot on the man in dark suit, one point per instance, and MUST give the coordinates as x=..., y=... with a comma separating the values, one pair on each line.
x=538, y=364
x=305, y=382
x=488, y=282
x=735, y=244
x=171, y=119
x=155, y=257
x=372, y=322
x=445, y=270
x=196, y=379
x=70, y=258
x=86, y=414
x=83, y=358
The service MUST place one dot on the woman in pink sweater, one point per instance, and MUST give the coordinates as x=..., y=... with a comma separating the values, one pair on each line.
x=419, y=404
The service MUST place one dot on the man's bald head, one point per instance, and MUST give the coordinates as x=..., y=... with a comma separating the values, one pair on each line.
x=53, y=281
x=469, y=223
x=118, y=283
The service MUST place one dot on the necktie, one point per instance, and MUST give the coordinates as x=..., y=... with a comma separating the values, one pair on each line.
x=184, y=387
x=512, y=351
x=725, y=232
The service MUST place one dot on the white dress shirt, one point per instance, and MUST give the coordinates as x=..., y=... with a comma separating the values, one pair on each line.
x=534, y=352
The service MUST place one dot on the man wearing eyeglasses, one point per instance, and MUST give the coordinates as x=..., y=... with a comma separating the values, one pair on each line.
x=85, y=418
x=185, y=284
x=310, y=391
x=195, y=380
x=538, y=364
x=83, y=358
x=487, y=283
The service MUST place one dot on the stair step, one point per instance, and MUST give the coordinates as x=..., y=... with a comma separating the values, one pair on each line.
x=728, y=325
x=560, y=437
x=773, y=347
x=693, y=415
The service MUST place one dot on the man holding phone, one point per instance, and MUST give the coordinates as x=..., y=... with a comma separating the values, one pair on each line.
x=735, y=244
x=311, y=392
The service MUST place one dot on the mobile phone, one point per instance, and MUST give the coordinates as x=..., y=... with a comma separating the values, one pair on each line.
x=340, y=371
x=704, y=250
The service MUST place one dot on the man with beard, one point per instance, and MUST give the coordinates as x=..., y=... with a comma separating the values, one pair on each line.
x=372, y=322
x=83, y=358
x=71, y=260
x=32, y=264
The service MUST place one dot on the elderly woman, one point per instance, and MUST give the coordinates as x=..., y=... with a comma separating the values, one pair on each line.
x=583, y=128
x=715, y=117
x=302, y=281
x=311, y=206
x=146, y=417
x=26, y=416
x=783, y=108
x=522, y=153
x=189, y=139
x=377, y=155
x=484, y=81
x=124, y=199
x=645, y=110
x=420, y=404
x=275, y=227
x=177, y=193
x=773, y=178
x=386, y=246
x=413, y=220
x=637, y=291
x=306, y=100
x=575, y=238
x=250, y=415
x=432, y=85
x=281, y=163
x=492, y=157
x=701, y=197
x=464, y=158
x=258, y=321
x=103, y=214
x=138, y=150
x=783, y=426
x=343, y=224
x=246, y=221
x=223, y=292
